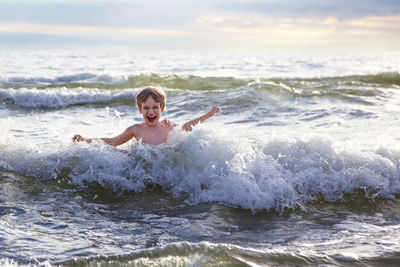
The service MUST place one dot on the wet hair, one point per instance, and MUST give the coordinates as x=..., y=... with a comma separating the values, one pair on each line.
x=157, y=94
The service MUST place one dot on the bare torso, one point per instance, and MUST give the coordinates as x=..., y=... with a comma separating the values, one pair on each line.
x=154, y=135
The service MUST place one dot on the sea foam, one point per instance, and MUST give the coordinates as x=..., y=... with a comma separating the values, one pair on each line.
x=255, y=173
x=63, y=97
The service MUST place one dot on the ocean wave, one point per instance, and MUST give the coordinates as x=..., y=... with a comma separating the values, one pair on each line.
x=350, y=86
x=203, y=254
x=189, y=82
x=89, y=80
x=361, y=89
x=212, y=254
x=63, y=97
x=73, y=80
x=203, y=167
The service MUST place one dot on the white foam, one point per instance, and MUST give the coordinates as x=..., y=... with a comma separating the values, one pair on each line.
x=212, y=166
x=62, y=97
x=8, y=262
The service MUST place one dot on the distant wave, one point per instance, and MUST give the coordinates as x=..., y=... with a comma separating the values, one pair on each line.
x=63, y=97
x=185, y=82
x=88, y=80
x=43, y=81
x=79, y=90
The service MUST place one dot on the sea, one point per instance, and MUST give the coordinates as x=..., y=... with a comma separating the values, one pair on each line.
x=301, y=166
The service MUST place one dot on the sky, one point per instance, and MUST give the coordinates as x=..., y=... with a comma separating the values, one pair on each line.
x=291, y=25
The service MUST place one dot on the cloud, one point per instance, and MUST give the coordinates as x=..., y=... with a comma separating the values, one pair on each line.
x=315, y=33
x=340, y=9
x=51, y=29
x=250, y=24
x=254, y=23
x=388, y=23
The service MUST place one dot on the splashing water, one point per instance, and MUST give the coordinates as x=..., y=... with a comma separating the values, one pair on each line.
x=301, y=168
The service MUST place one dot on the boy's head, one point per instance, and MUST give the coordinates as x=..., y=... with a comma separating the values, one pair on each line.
x=157, y=94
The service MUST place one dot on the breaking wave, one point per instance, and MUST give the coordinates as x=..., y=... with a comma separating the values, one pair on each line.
x=204, y=166
x=81, y=90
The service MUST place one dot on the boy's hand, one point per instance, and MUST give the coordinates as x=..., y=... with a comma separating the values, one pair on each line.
x=214, y=110
x=188, y=126
x=78, y=138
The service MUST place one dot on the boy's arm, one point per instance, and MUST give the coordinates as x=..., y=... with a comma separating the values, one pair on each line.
x=124, y=137
x=188, y=125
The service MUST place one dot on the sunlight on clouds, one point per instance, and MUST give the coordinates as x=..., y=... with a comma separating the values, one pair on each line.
x=244, y=24
x=19, y=27
x=251, y=31
x=330, y=21
x=329, y=32
x=389, y=22
x=240, y=23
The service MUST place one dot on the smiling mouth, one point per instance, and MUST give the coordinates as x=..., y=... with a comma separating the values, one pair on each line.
x=151, y=118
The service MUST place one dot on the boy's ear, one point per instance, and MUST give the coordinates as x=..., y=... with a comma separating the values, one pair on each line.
x=140, y=109
x=162, y=109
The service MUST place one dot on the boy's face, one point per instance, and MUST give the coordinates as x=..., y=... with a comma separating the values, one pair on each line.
x=151, y=111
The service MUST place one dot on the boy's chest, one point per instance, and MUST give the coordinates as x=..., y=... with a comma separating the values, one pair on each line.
x=154, y=136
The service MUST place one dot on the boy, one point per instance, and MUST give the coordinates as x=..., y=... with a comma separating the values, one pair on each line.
x=151, y=103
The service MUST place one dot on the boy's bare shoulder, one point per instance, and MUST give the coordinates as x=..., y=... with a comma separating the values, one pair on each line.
x=135, y=127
